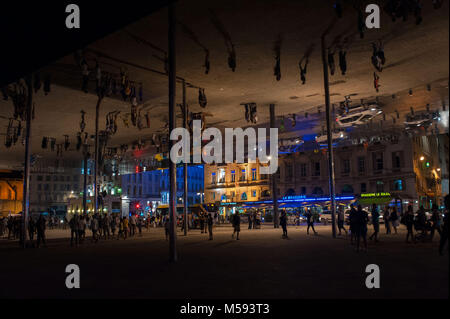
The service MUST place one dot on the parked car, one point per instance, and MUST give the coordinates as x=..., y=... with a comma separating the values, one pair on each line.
x=336, y=136
x=358, y=115
x=420, y=119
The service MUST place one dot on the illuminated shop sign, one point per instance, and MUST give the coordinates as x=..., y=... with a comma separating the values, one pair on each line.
x=302, y=198
x=385, y=194
x=295, y=197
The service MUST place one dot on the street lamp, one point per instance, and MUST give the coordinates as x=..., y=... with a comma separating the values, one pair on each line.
x=422, y=158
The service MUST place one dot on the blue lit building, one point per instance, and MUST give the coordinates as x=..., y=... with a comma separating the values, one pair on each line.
x=144, y=191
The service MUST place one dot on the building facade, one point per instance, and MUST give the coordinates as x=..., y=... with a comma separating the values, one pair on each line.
x=11, y=192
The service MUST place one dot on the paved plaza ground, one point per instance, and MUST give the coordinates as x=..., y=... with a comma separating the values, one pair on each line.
x=260, y=265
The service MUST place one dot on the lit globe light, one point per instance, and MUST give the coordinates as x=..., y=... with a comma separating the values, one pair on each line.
x=422, y=158
x=438, y=169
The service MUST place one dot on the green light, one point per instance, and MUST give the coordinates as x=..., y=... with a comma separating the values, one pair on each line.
x=427, y=164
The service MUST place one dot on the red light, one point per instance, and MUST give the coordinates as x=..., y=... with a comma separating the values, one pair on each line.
x=138, y=206
x=137, y=169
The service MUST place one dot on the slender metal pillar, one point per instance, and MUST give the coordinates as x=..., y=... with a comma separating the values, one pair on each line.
x=97, y=109
x=85, y=166
x=276, y=223
x=185, y=165
x=329, y=138
x=172, y=124
x=26, y=174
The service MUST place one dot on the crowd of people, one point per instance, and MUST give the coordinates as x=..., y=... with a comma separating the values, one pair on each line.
x=420, y=228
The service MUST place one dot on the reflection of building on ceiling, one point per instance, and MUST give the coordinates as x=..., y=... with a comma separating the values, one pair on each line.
x=106, y=205
x=146, y=186
x=386, y=166
x=228, y=183
x=53, y=183
x=11, y=192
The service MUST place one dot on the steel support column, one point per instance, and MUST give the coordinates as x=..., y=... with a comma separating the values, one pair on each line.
x=185, y=165
x=172, y=124
x=274, y=179
x=26, y=173
x=97, y=110
x=331, y=180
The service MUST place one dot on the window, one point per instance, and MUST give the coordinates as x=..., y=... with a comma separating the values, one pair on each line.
x=253, y=193
x=254, y=175
x=39, y=187
x=397, y=159
x=347, y=189
x=47, y=178
x=233, y=176
x=317, y=169
x=75, y=178
x=398, y=185
x=288, y=172
x=317, y=191
x=303, y=190
x=361, y=165
x=213, y=178
x=244, y=196
x=243, y=176
x=55, y=178
x=222, y=176
x=303, y=170
x=55, y=187
x=380, y=186
x=346, y=166
x=39, y=178
x=363, y=188
x=377, y=161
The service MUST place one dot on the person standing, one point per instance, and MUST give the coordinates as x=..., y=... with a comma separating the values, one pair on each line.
x=283, y=224
x=236, y=221
x=394, y=219
x=132, y=225
x=444, y=232
x=310, y=222
x=409, y=223
x=106, y=222
x=202, y=223
x=139, y=224
x=40, y=230
x=210, y=223
x=113, y=225
x=341, y=220
x=74, y=231
x=386, y=220
x=82, y=228
x=31, y=228
x=249, y=216
x=353, y=227
x=361, y=227
x=375, y=222
x=125, y=228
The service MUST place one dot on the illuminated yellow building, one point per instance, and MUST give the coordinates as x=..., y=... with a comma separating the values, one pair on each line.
x=11, y=192
x=227, y=185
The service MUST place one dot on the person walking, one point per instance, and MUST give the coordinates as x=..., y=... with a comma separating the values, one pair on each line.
x=113, y=225
x=375, y=223
x=387, y=224
x=139, y=224
x=125, y=228
x=341, y=220
x=409, y=223
x=361, y=227
x=106, y=222
x=236, y=222
x=167, y=227
x=310, y=222
x=210, y=223
x=283, y=224
x=394, y=219
x=40, y=230
x=74, y=231
x=94, y=228
x=435, y=222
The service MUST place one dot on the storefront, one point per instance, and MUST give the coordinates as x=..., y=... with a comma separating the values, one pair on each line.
x=384, y=199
